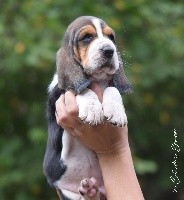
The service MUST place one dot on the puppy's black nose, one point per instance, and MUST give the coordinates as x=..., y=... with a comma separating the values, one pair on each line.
x=108, y=51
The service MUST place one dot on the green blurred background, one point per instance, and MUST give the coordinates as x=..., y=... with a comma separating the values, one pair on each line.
x=150, y=35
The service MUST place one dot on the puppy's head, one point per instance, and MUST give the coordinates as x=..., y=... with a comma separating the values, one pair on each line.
x=89, y=52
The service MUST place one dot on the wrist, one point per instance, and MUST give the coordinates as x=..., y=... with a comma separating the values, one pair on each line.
x=113, y=153
x=119, y=175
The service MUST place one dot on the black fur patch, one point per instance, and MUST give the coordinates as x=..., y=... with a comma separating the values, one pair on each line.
x=53, y=167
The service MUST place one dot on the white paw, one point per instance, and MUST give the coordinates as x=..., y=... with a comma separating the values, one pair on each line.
x=115, y=113
x=113, y=107
x=90, y=108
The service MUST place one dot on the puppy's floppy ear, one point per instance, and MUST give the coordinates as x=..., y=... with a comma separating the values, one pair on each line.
x=70, y=72
x=120, y=80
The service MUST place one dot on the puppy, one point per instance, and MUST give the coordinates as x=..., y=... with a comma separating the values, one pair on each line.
x=88, y=54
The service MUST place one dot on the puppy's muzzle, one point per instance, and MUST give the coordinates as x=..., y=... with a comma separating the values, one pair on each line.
x=107, y=51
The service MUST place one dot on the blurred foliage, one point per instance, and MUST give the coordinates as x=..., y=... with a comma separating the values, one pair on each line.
x=150, y=35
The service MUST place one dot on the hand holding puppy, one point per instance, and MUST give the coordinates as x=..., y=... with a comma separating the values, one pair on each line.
x=104, y=138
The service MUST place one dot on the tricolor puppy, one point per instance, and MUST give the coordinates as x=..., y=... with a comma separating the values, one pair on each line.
x=88, y=54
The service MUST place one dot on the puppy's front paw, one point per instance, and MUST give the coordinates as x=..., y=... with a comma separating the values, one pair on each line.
x=115, y=113
x=113, y=107
x=89, y=188
x=90, y=108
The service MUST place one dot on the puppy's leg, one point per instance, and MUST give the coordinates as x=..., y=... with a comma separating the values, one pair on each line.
x=89, y=189
x=113, y=107
x=90, y=108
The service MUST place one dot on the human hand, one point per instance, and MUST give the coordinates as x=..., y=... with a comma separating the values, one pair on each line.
x=104, y=138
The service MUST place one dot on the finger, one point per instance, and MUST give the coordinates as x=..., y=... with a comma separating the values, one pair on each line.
x=67, y=110
x=61, y=113
x=71, y=104
x=70, y=130
x=96, y=88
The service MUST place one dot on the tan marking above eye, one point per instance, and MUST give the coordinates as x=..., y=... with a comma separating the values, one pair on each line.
x=87, y=30
x=108, y=31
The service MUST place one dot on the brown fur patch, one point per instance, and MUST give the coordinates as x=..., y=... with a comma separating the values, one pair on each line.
x=108, y=31
x=76, y=53
x=89, y=29
x=83, y=48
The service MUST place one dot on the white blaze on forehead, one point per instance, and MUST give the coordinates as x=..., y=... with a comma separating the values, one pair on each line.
x=96, y=23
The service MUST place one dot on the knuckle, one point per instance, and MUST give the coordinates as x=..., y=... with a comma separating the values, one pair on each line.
x=62, y=118
x=73, y=111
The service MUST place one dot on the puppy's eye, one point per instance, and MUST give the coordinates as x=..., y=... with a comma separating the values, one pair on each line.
x=87, y=38
x=111, y=37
